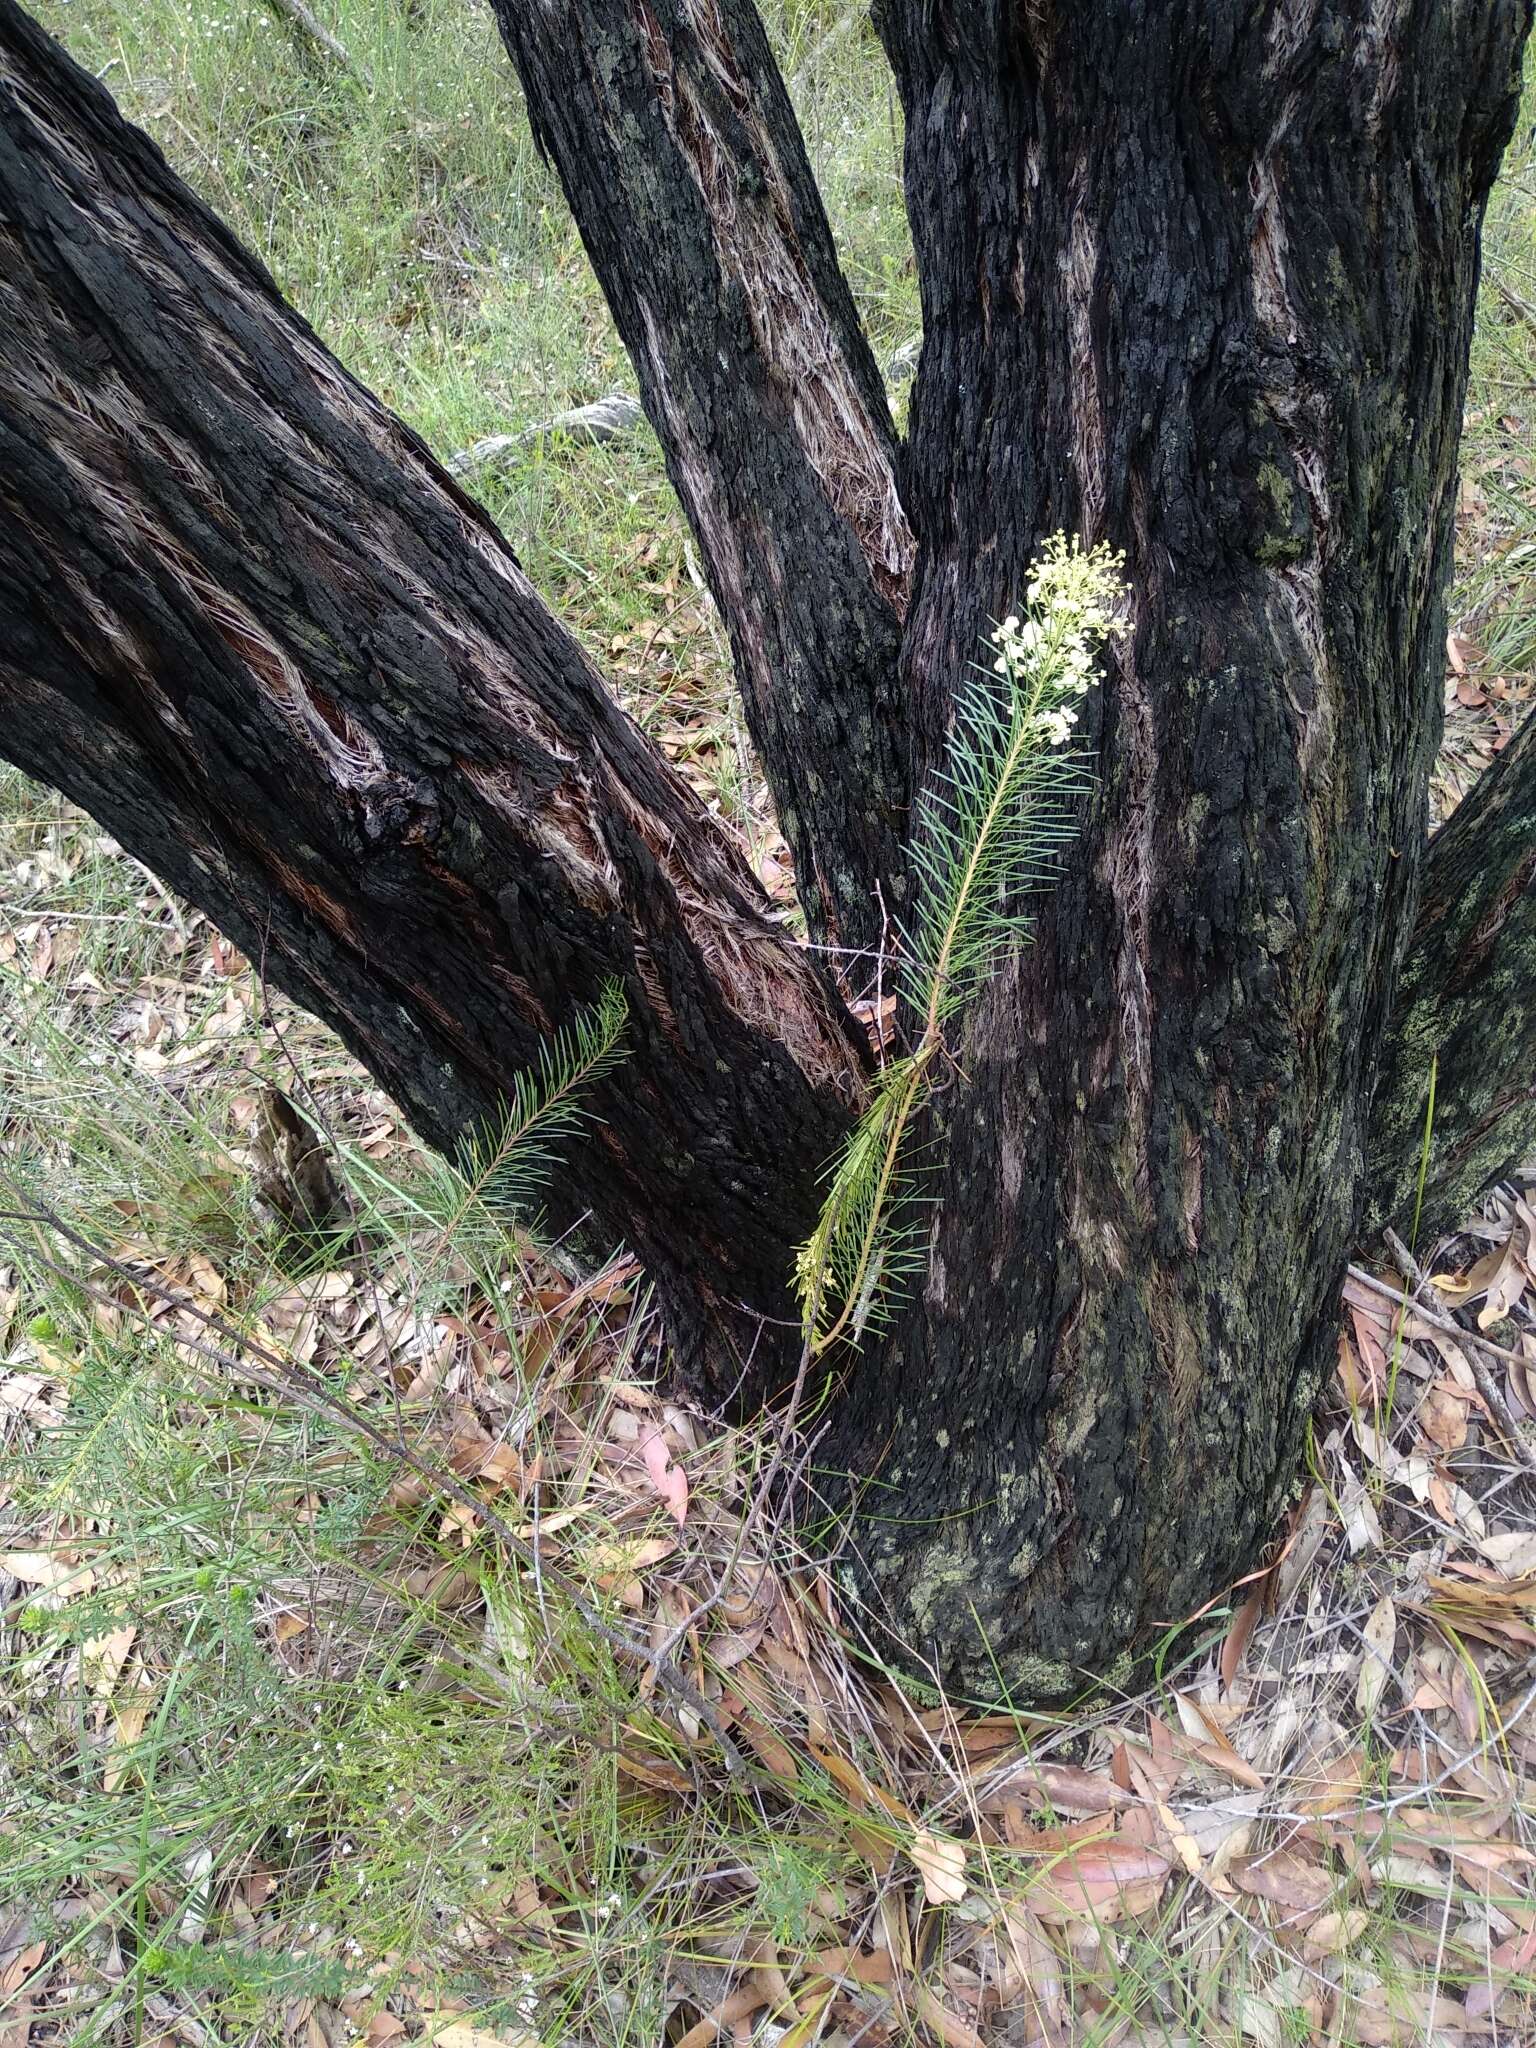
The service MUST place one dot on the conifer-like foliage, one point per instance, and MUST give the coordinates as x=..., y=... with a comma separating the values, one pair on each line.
x=547, y=1102
x=989, y=835
x=502, y=1168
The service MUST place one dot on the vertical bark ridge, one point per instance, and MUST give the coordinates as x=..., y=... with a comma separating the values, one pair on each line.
x=251, y=626
x=1466, y=996
x=1199, y=279
x=684, y=166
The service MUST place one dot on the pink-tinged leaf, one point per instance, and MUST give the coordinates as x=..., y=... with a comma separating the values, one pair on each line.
x=1067, y=1788
x=951, y=2029
x=1505, y=1288
x=1461, y=654
x=1372, y=1351
x=1031, y=1969
x=1100, y=1883
x=941, y=1861
x=669, y=1480
x=1284, y=1877
x=1243, y=1623
x=1510, y=1959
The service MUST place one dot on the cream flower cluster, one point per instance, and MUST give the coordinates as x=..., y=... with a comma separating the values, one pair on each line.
x=1070, y=605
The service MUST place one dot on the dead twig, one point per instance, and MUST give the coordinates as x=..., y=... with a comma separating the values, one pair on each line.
x=318, y=36
x=1520, y=307
x=1474, y=1340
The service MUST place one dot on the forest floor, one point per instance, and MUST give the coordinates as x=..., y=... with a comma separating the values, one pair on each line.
x=293, y=1751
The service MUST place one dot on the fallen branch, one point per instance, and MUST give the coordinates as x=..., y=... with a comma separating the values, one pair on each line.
x=317, y=35
x=605, y=419
x=1520, y=307
x=904, y=360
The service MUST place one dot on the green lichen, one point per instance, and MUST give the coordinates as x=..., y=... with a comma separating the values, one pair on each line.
x=1287, y=533
x=1046, y=1681
x=949, y=1564
x=1040, y=1678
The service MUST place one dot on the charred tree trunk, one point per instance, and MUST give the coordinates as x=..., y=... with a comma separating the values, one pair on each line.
x=248, y=623
x=1467, y=994
x=1197, y=278
x=684, y=167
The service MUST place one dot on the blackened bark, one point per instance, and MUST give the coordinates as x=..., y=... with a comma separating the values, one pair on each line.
x=1198, y=278
x=684, y=166
x=249, y=624
x=1467, y=994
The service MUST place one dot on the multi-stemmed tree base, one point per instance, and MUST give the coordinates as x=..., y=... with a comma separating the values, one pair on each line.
x=1197, y=280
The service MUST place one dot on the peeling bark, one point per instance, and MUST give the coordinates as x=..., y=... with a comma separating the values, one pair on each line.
x=683, y=164
x=249, y=624
x=1197, y=278
x=1467, y=994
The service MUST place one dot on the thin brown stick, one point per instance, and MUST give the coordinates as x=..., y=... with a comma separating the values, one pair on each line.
x=1434, y=1318
x=1492, y=1393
